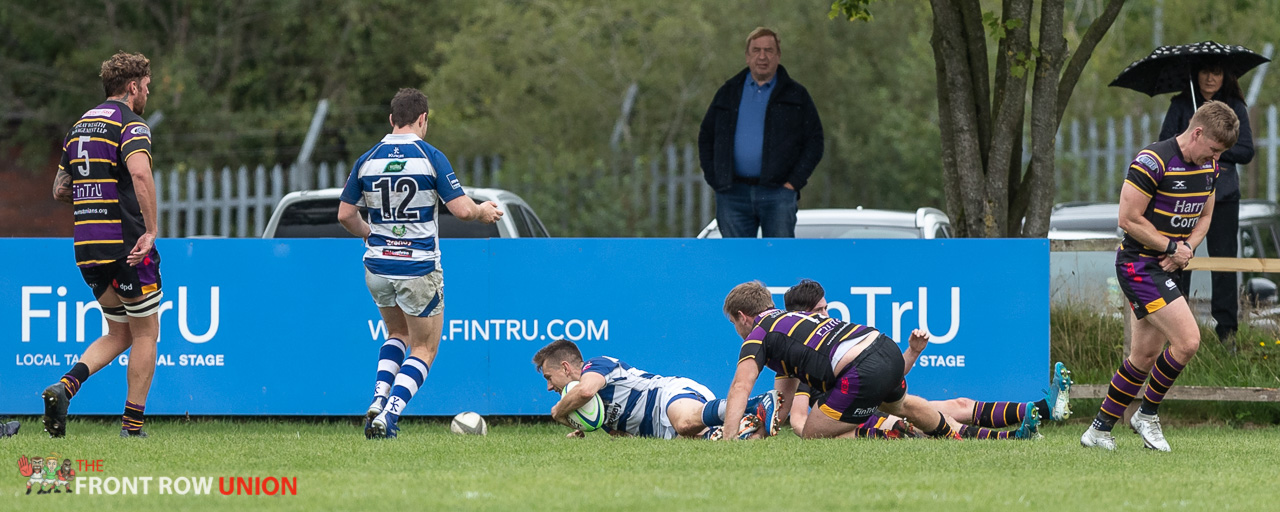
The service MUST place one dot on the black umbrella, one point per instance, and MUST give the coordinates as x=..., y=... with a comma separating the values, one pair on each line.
x=1168, y=68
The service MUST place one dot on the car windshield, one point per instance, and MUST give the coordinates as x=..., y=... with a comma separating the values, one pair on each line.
x=847, y=231
x=318, y=218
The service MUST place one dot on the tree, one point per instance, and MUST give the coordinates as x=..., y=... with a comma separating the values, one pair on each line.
x=988, y=190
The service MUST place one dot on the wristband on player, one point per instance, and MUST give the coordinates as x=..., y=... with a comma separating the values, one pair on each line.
x=1172, y=249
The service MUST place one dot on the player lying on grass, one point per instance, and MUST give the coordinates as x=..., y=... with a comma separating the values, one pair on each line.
x=975, y=417
x=640, y=403
x=859, y=370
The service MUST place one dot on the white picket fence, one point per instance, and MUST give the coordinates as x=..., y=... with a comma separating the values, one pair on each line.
x=667, y=187
x=227, y=202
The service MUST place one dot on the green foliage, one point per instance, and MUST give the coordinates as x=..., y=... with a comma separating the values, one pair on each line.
x=851, y=10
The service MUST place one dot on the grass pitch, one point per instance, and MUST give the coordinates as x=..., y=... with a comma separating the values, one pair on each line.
x=532, y=466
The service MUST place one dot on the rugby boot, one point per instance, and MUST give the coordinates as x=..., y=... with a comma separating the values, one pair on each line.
x=55, y=409
x=1029, y=429
x=767, y=411
x=1059, y=396
x=139, y=434
x=1094, y=438
x=1148, y=426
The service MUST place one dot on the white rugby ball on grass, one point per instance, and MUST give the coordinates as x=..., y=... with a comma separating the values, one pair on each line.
x=588, y=417
x=469, y=423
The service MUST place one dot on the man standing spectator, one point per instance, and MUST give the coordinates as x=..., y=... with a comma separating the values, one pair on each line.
x=759, y=142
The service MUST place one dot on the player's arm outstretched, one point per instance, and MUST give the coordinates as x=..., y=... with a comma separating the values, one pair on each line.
x=915, y=346
x=464, y=208
x=588, y=385
x=739, y=391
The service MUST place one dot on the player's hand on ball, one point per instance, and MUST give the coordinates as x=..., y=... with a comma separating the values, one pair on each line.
x=576, y=433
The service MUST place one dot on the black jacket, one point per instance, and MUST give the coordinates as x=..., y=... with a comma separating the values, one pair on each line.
x=1179, y=116
x=792, y=134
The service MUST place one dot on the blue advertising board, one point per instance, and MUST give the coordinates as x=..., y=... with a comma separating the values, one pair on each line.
x=287, y=327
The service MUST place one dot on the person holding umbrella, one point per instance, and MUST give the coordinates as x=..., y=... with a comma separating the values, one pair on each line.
x=1214, y=82
x=1203, y=72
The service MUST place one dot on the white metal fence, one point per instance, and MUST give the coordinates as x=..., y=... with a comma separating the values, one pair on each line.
x=238, y=202
x=668, y=191
x=1093, y=155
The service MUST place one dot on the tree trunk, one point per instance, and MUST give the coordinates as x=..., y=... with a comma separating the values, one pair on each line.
x=955, y=81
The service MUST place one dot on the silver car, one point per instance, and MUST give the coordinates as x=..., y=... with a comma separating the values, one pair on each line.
x=863, y=223
x=314, y=214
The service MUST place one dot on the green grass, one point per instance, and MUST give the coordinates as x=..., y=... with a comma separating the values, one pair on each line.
x=531, y=466
x=1092, y=347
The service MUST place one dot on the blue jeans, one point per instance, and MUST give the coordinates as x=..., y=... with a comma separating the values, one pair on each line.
x=743, y=209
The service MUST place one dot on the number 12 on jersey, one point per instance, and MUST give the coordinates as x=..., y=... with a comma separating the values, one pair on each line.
x=400, y=212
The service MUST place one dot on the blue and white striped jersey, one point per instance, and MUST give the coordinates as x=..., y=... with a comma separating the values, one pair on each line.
x=400, y=180
x=635, y=401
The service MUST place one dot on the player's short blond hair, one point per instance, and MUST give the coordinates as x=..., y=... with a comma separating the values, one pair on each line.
x=760, y=32
x=121, y=69
x=750, y=298
x=1219, y=122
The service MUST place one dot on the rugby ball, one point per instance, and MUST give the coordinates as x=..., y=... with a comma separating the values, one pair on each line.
x=469, y=423
x=588, y=417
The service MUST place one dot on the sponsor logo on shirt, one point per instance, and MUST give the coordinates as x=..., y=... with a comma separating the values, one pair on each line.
x=100, y=112
x=398, y=253
x=394, y=166
x=1179, y=185
x=141, y=130
x=1148, y=161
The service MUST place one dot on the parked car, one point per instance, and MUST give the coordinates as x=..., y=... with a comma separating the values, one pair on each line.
x=314, y=214
x=1259, y=225
x=862, y=223
x=1079, y=275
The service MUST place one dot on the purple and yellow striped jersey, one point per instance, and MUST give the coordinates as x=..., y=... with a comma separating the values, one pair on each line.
x=1178, y=192
x=799, y=345
x=108, y=220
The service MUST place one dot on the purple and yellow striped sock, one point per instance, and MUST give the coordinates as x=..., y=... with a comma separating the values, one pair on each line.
x=972, y=432
x=74, y=378
x=1124, y=387
x=1166, y=370
x=871, y=433
x=133, y=417
x=998, y=414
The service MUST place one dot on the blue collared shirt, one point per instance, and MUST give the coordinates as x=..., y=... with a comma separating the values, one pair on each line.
x=748, y=137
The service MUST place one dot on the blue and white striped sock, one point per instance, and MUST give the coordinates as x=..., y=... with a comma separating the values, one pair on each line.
x=389, y=359
x=412, y=373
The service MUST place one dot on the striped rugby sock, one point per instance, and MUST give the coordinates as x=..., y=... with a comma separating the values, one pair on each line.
x=1124, y=387
x=972, y=432
x=998, y=414
x=412, y=373
x=713, y=413
x=74, y=378
x=133, y=416
x=390, y=357
x=1166, y=370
